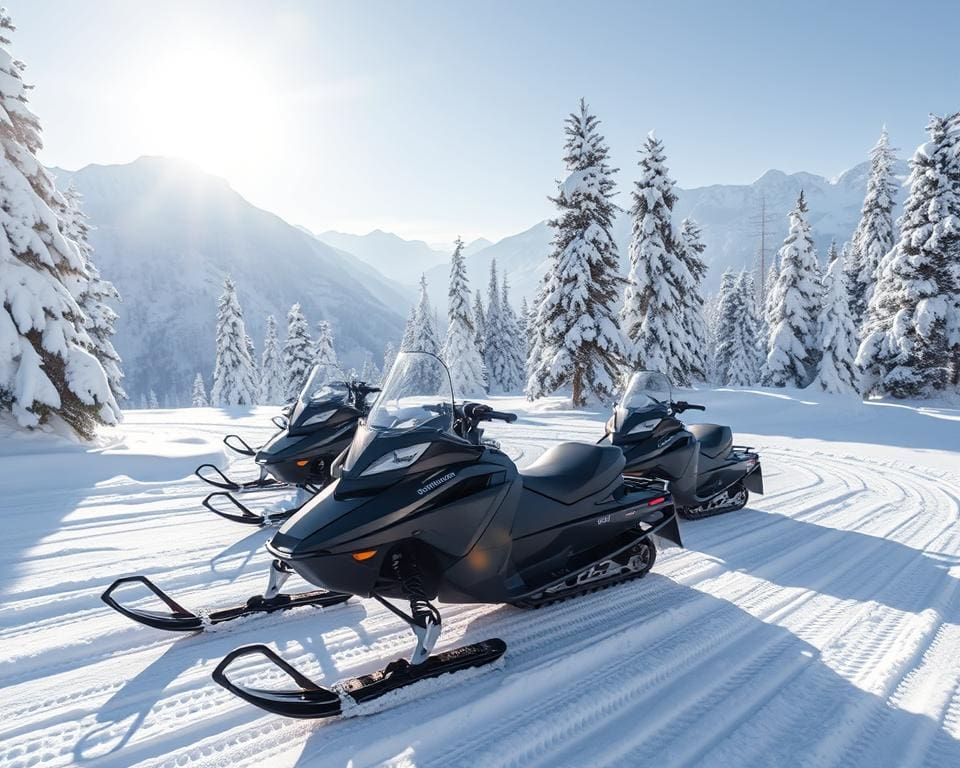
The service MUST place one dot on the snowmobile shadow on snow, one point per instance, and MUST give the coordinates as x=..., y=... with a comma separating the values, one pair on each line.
x=707, y=659
x=122, y=715
x=847, y=564
x=233, y=560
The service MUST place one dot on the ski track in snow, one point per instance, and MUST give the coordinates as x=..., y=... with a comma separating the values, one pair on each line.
x=817, y=627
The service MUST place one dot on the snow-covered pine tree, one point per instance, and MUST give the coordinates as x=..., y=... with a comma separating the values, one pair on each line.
x=369, y=373
x=692, y=302
x=751, y=327
x=728, y=320
x=951, y=244
x=536, y=334
x=297, y=353
x=389, y=355
x=422, y=375
x=460, y=351
x=409, y=330
x=47, y=368
x=233, y=375
x=832, y=255
x=582, y=346
x=524, y=324
x=514, y=344
x=496, y=342
x=272, y=381
x=905, y=349
x=652, y=316
x=93, y=292
x=794, y=301
x=323, y=351
x=254, y=369
x=838, y=338
x=875, y=234
x=199, y=396
x=479, y=322
x=154, y=403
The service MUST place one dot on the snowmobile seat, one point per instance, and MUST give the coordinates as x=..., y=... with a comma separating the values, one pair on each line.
x=714, y=439
x=570, y=472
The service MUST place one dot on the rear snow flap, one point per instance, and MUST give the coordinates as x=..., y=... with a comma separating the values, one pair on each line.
x=670, y=530
x=753, y=482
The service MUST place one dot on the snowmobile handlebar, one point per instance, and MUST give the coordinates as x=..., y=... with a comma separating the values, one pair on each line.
x=482, y=412
x=681, y=405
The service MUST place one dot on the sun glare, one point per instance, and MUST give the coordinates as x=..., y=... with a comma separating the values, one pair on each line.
x=210, y=106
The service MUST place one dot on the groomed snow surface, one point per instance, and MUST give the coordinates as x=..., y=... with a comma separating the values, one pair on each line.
x=818, y=627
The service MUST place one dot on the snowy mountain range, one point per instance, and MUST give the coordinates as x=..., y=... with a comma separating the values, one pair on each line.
x=166, y=234
x=398, y=259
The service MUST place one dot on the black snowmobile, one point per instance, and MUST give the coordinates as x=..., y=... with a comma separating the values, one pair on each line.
x=180, y=619
x=320, y=426
x=707, y=474
x=420, y=512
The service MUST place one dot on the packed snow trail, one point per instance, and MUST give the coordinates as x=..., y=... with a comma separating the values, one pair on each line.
x=819, y=626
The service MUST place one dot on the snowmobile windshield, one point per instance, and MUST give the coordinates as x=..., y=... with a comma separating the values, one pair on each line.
x=644, y=390
x=417, y=394
x=325, y=384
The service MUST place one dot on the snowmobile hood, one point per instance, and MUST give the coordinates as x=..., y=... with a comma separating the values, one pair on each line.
x=632, y=424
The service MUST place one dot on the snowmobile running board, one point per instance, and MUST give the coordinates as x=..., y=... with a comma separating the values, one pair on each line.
x=245, y=514
x=313, y=701
x=181, y=620
x=226, y=484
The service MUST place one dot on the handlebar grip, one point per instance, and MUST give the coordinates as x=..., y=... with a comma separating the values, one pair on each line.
x=692, y=407
x=502, y=416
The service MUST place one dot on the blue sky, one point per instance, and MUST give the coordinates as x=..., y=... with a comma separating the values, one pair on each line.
x=438, y=118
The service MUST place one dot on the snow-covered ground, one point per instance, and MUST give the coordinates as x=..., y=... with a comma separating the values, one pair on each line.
x=820, y=626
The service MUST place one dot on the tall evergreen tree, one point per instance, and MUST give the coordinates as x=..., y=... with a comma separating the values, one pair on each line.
x=692, y=301
x=652, y=317
x=254, y=370
x=389, y=356
x=582, y=346
x=514, y=347
x=727, y=316
x=154, y=403
x=297, y=353
x=838, y=338
x=479, y=322
x=875, y=234
x=496, y=341
x=369, y=373
x=47, y=368
x=460, y=347
x=421, y=336
x=906, y=346
x=323, y=350
x=795, y=299
x=199, y=395
x=233, y=375
x=93, y=293
x=409, y=330
x=272, y=380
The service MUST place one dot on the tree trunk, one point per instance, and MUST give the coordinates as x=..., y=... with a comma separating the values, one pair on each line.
x=577, y=387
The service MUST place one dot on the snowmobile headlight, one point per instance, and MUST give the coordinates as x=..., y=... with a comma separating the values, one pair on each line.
x=644, y=426
x=398, y=459
x=319, y=418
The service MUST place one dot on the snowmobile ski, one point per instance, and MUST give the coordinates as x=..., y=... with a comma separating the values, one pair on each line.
x=310, y=700
x=247, y=516
x=225, y=483
x=238, y=445
x=182, y=620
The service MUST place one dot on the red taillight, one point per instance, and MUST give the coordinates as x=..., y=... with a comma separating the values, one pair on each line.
x=658, y=500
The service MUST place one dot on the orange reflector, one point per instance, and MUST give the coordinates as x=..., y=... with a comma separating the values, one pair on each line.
x=658, y=500
x=302, y=462
x=361, y=556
